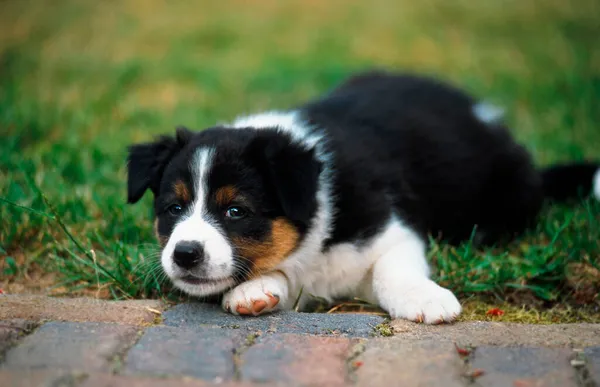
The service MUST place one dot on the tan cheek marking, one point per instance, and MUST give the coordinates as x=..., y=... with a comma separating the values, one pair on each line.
x=161, y=239
x=181, y=191
x=268, y=254
x=225, y=195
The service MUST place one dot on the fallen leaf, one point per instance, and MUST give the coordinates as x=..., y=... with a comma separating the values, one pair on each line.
x=476, y=373
x=462, y=351
x=149, y=309
x=577, y=363
x=523, y=383
x=357, y=364
x=496, y=312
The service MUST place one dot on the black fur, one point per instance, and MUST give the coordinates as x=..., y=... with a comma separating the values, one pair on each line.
x=291, y=171
x=146, y=163
x=413, y=146
x=566, y=181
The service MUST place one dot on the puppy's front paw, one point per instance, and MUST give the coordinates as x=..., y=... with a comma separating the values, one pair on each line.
x=255, y=297
x=426, y=302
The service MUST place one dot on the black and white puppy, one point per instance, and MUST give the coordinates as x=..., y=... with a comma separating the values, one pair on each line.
x=338, y=196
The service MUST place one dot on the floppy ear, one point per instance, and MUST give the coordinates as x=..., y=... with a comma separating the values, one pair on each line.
x=293, y=171
x=146, y=163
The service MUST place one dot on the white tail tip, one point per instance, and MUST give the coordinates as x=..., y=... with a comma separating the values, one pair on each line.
x=596, y=184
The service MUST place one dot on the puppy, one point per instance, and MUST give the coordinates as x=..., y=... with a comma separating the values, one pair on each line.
x=336, y=198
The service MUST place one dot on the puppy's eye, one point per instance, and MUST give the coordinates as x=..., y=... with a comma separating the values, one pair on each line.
x=235, y=212
x=175, y=209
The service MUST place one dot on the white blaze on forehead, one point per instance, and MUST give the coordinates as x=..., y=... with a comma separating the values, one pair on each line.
x=197, y=225
x=200, y=167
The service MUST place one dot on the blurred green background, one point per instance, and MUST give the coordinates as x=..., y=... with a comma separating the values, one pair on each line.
x=81, y=80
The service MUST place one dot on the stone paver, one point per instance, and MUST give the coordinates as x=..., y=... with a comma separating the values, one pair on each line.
x=351, y=325
x=199, y=345
x=524, y=367
x=11, y=331
x=205, y=353
x=36, y=308
x=195, y=314
x=297, y=360
x=399, y=362
x=71, y=346
x=504, y=334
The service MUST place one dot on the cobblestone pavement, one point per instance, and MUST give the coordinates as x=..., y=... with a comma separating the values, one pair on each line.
x=90, y=343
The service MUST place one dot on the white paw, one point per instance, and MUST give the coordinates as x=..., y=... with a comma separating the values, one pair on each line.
x=426, y=301
x=255, y=297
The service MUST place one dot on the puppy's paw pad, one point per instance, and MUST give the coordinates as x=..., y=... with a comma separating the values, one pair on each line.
x=253, y=306
x=273, y=299
x=258, y=306
x=250, y=299
x=242, y=310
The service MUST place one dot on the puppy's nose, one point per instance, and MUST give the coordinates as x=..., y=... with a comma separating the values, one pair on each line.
x=188, y=254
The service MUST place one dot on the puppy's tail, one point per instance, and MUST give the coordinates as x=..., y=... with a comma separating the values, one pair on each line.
x=568, y=181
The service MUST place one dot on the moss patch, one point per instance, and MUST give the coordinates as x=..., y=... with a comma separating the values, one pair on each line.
x=484, y=311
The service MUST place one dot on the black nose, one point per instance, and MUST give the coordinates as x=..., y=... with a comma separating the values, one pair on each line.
x=188, y=254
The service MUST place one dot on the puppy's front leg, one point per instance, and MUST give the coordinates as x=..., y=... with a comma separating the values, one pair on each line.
x=402, y=286
x=263, y=294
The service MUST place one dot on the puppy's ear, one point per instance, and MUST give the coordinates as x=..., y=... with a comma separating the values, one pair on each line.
x=292, y=171
x=146, y=163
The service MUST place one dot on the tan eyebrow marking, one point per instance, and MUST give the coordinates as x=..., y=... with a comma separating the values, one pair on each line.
x=225, y=195
x=181, y=191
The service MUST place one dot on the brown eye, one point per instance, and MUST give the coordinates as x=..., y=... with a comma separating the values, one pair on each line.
x=235, y=213
x=175, y=209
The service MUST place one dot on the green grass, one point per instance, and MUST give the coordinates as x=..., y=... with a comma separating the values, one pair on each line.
x=79, y=81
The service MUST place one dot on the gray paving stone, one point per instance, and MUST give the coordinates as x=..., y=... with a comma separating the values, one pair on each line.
x=71, y=346
x=197, y=314
x=522, y=366
x=592, y=355
x=205, y=353
x=346, y=324
x=401, y=362
x=297, y=360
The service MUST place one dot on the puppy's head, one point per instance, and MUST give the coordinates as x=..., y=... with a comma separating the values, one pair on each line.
x=229, y=203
